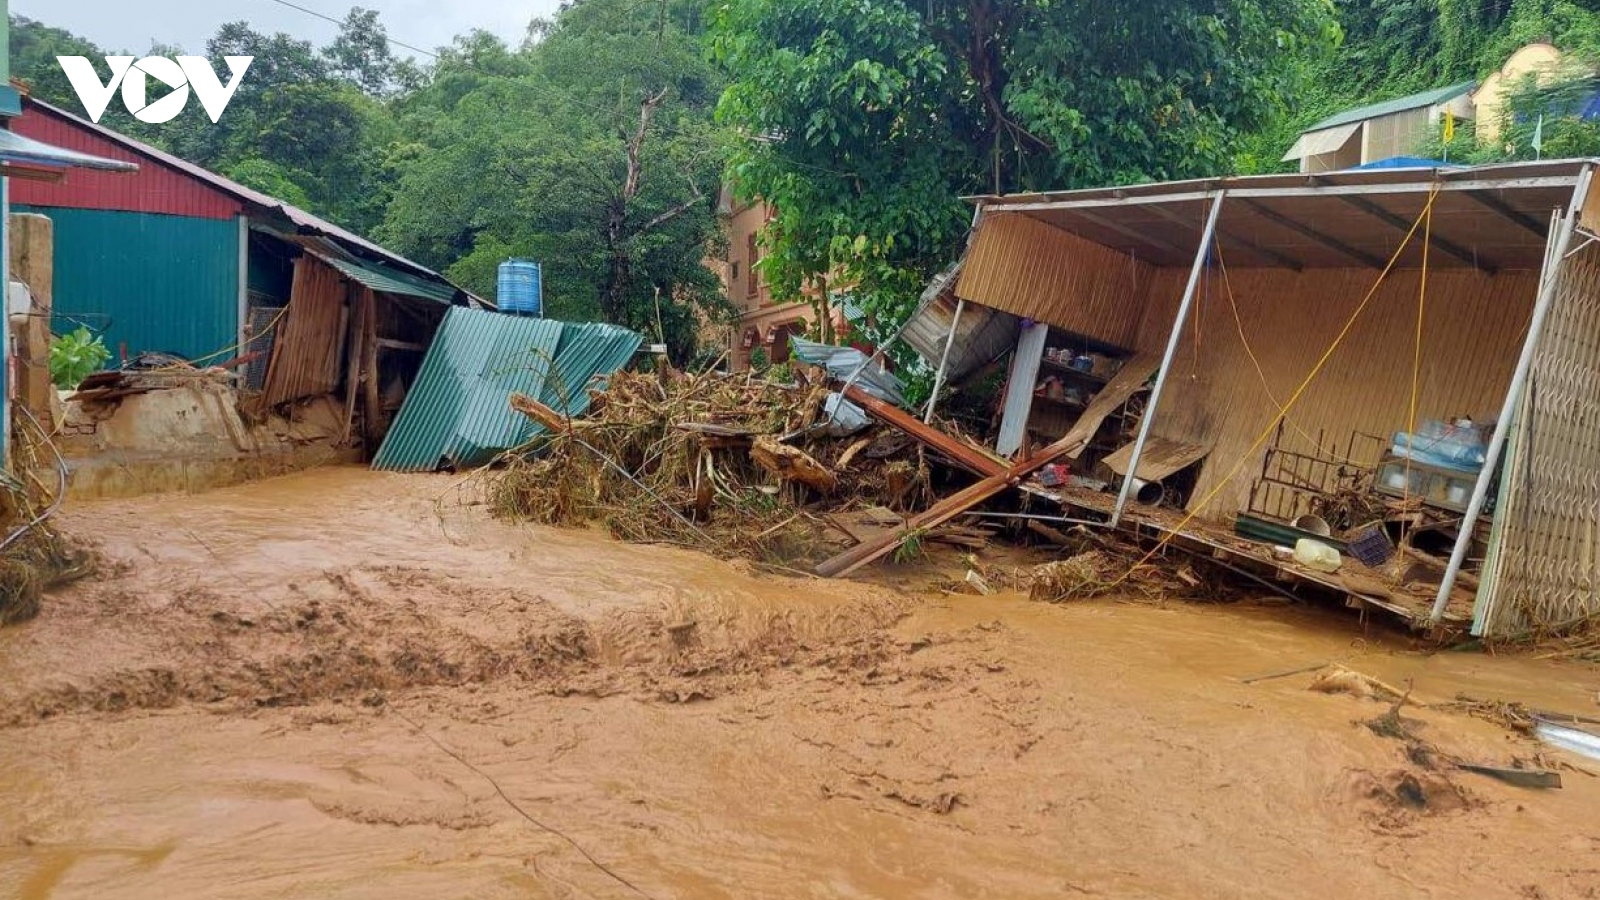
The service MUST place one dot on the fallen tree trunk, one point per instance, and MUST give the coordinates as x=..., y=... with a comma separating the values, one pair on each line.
x=792, y=464
x=540, y=413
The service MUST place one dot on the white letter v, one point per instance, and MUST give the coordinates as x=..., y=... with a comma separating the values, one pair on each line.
x=214, y=95
x=94, y=95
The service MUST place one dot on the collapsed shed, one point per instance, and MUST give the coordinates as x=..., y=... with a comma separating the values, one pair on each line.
x=175, y=261
x=1299, y=332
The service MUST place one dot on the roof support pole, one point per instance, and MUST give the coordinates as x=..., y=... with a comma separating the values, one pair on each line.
x=1200, y=255
x=944, y=360
x=1562, y=228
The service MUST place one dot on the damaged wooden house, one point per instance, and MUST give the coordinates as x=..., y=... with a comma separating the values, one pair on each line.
x=247, y=336
x=1383, y=384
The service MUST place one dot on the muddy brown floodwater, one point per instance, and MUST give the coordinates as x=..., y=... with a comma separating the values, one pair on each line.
x=338, y=685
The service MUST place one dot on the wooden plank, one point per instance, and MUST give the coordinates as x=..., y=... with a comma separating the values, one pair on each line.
x=352, y=374
x=1161, y=458
x=1127, y=382
x=948, y=508
x=957, y=451
x=392, y=344
x=373, y=417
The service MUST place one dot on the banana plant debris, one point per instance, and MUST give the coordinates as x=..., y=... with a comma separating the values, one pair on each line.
x=735, y=465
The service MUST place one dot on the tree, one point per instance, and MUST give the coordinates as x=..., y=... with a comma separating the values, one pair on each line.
x=864, y=123
x=590, y=149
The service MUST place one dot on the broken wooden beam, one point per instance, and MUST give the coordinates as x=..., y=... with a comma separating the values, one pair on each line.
x=539, y=412
x=955, y=449
x=948, y=508
x=792, y=464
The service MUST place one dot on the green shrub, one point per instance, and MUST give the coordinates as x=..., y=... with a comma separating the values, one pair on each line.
x=74, y=356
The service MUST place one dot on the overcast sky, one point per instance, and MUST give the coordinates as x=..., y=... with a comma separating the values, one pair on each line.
x=133, y=26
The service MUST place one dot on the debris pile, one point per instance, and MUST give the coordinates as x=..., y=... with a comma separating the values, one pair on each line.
x=730, y=464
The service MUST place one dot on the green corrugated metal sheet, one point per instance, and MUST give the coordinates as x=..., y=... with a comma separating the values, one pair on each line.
x=152, y=282
x=393, y=281
x=457, y=411
x=1390, y=107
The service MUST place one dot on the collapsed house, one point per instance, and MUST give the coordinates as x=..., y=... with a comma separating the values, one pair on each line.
x=248, y=336
x=1397, y=364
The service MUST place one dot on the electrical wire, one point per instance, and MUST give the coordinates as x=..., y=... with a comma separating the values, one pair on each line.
x=240, y=345
x=1244, y=458
x=61, y=485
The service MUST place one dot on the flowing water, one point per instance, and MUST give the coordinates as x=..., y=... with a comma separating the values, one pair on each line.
x=349, y=684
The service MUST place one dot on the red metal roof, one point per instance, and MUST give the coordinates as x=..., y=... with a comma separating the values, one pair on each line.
x=158, y=187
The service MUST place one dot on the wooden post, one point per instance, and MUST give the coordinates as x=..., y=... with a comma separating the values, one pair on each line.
x=373, y=418
x=33, y=264
x=355, y=337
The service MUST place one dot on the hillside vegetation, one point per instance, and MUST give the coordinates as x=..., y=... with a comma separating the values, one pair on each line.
x=600, y=143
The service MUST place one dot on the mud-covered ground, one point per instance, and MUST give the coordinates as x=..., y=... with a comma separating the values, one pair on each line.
x=343, y=684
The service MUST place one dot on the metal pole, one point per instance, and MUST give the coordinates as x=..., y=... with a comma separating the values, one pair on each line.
x=1166, y=360
x=1519, y=380
x=944, y=360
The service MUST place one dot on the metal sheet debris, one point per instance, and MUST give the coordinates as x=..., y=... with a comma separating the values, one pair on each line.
x=458, y=413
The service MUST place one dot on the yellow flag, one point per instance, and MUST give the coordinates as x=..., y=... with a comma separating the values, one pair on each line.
x=1449, y=128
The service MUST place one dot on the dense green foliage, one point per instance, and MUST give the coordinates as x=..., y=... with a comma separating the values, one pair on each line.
x=599, y=144
x=590, y=148
x=867, y=121
x=1396, y=47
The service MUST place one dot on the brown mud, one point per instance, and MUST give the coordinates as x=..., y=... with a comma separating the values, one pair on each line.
x=337, y=685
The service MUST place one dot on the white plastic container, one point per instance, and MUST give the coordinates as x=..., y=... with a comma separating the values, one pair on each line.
x=1316, y=555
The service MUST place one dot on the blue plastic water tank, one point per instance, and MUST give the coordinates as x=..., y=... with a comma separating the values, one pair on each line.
x=520, y=290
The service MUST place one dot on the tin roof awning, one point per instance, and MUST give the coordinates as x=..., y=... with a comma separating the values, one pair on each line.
x=1316, y=143
x=17, y=150
x=1487, y=217
x=390, y=280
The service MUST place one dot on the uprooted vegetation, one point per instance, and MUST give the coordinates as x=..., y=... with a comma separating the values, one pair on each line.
x=729, y=464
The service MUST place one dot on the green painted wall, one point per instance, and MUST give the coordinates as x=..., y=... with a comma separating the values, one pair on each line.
x=154, y=282
x=271, y=272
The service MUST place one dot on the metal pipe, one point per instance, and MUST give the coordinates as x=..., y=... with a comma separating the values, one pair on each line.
x=1035, y=517
x=1166, y=359
x=1519, y=380
x=944, y=360
x=1149, y=493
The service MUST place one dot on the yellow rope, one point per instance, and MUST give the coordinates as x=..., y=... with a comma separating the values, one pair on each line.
x=1416, y=357
x=1266, y=385
x=1294, y=398
x=195, y=363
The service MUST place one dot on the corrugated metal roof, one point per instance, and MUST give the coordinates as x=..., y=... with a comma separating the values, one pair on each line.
x=457, y=411
x=982, y=334
x=294, y=214
x=1399, y=104
x=1486, y=217
x=154, y=188
x=27, y=151
x=391, y=281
